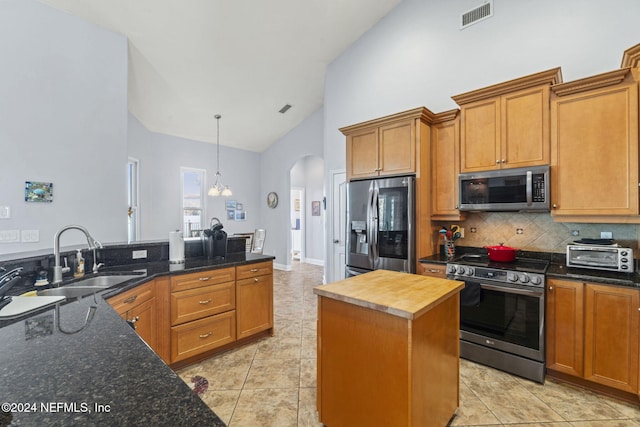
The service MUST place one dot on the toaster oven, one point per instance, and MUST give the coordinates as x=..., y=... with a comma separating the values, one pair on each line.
x=610, y=258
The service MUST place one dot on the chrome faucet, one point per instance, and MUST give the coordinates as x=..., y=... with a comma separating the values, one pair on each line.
x=57, y=269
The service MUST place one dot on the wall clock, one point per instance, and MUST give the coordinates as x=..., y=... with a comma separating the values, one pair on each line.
x=272, y=200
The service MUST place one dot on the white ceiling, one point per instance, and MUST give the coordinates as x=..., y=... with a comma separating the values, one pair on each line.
x=243, y=59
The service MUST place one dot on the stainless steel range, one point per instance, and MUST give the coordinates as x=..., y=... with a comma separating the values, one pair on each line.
x=502, y=313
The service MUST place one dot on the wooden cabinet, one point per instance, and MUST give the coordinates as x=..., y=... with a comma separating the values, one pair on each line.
x=202, y=307
x=433, y=270
x=565, y=326
x=611, y=336
x=254, y=298
x=138, y=306
x=445, y=161
x=506, y=125
x=593, y=333
x=386, y=146
x=594, y=149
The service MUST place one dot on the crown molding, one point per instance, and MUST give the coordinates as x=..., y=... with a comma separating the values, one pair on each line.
x=594, y=82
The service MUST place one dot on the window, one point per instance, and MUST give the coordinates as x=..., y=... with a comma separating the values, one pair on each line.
x=133, y=199
x=193, y=201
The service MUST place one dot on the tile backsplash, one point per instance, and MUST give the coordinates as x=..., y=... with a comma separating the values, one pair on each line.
x=536, y=231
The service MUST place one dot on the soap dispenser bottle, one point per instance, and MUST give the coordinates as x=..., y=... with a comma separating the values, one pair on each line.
x=79, y=272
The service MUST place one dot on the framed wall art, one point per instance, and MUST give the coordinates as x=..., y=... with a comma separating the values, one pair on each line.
x=38, y=191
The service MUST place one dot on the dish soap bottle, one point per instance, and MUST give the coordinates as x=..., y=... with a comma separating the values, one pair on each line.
x=79, y=264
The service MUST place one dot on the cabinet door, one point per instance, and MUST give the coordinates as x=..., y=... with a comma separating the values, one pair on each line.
x=594, y=152
x=480, y=136
x=565, y=326
x=254, y=305
x=525, y=128
x=445, y=157
x=397, y=149
x=611, y=336
x=433, y=270
x=144, y=319
x=362, y=154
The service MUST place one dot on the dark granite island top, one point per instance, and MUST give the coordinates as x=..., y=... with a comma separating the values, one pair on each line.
x=103, y=374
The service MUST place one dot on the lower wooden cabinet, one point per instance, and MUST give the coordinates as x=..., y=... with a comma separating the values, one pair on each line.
x=593, y=333
x=138, y=307
x=184, y=316
x=254, y=298
x=433, y=270
x=196, y=337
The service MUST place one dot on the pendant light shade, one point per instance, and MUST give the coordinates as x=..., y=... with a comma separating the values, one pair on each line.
x=218, y=188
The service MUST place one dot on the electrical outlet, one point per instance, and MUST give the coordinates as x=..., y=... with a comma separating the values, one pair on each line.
x=575, y=232
x=606, y=235
x=30, y=236
x=139, y=254
x=5, y=212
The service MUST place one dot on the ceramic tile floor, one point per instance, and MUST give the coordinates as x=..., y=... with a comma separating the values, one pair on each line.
x=271, y=383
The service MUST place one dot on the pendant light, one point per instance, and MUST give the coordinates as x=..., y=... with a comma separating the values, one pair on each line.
x=218, y=188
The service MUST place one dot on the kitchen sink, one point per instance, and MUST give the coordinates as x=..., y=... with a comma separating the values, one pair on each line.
x=87, y=286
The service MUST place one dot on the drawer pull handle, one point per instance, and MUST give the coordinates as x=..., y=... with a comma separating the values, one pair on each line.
x=256, y=280
x=130, y=299
x=433, y=270
x=254, y=270
x=207, y=301
x=204, y=279
x=207, y=335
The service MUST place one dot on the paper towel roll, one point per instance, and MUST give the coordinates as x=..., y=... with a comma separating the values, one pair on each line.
x=176, y=247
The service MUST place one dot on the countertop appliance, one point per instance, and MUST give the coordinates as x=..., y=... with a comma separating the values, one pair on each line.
x=502, y=313
x=381, y=225
x=519, y=189
x=601, y=257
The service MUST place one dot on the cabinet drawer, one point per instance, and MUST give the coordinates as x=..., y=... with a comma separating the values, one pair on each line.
x=202, y=278
x=253, y=270
x=132, y=298
x=197, y=303
x=433, y=270
x=193, y=338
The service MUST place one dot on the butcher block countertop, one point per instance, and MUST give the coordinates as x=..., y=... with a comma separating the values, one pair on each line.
x=400, y=294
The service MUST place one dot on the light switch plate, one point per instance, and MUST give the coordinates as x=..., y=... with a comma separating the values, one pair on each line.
x=9, y=236
x=5, y=212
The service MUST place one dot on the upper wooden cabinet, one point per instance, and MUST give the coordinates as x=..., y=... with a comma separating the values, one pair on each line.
x=594, y=149
x=445, y=161
x=506, y=125
x=385, y=146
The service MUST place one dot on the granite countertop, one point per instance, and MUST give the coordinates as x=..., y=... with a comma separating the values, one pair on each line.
x=557, y=268
x=103, y=374
x=400, y=294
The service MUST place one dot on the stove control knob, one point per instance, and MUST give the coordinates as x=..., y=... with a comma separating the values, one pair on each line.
x=524, y=278
x=536, y=280
x=451, y=269
x=512, y=277
x=460, y=269
x=469, y=271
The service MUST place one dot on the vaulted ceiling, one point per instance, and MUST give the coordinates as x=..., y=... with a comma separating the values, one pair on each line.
x=243, y=59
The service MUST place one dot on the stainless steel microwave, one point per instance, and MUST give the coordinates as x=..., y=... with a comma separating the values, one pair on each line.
x=519, y=189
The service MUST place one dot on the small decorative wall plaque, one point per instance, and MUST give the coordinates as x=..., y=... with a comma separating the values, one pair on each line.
x=315, y=208
x=38, y=191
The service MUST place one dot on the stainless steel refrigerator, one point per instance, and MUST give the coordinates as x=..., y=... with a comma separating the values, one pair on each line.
x=381, y=225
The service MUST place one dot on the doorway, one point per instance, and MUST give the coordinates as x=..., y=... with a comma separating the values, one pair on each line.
x=297, y=223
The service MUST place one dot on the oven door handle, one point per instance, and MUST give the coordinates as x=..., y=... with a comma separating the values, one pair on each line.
x=512, y=290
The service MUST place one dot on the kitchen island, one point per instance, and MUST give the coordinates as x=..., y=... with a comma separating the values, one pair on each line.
x=388, y=350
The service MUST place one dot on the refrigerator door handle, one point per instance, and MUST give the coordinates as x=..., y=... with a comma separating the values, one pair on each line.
x=374, y=222
x=370, y=225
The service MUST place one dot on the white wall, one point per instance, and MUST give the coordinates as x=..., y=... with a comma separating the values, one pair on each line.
x=276, y=163
x=162, y=156
x=417, y=56
x=63, y=119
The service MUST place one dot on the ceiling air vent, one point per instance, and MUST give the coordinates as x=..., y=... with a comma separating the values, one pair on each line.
x=284, y=109
x=477, y=14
